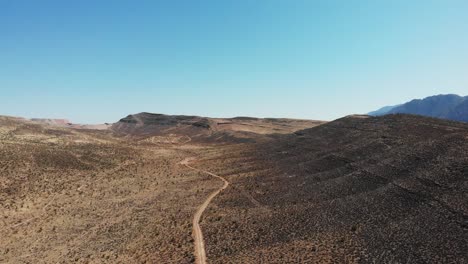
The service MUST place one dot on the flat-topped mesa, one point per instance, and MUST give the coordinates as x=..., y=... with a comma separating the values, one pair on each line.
x=50, y=121
x=206, y=128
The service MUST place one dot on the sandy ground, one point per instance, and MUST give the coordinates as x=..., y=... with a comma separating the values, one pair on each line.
x=86, y=197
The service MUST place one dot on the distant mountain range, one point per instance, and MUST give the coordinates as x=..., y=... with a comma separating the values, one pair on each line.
x=448, y=106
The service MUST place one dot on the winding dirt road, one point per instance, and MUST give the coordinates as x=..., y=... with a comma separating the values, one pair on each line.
x=200, y=254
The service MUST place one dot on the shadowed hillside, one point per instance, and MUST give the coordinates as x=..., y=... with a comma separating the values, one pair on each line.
x=391, y=189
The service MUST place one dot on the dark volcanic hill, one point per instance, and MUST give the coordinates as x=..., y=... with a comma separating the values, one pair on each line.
x=448, y=106
x=360, y=189
x=147, y=125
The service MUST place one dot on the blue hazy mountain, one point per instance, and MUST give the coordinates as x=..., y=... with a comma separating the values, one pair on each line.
x=383, y=110
x=460, y=112
x=448, y=106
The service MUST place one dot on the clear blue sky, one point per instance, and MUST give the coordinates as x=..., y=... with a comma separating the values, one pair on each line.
x=96, y=61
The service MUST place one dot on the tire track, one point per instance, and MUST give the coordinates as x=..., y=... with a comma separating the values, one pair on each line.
x=199, y=243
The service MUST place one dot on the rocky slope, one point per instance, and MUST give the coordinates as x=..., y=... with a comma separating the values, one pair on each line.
x=359, y=189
